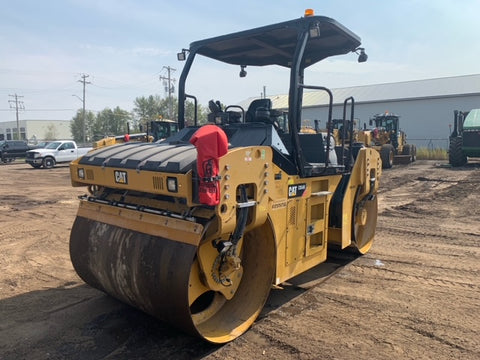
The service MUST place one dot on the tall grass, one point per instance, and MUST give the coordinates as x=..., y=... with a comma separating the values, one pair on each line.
x=432, y=154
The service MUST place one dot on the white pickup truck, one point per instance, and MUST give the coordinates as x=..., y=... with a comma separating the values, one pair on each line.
x=54, y=153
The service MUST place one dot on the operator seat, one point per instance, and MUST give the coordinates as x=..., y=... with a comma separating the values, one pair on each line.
x=259, y=111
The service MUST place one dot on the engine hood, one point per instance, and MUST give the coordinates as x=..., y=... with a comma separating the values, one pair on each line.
x=144, y=156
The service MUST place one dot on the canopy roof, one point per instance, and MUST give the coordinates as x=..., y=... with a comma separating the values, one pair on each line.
x=276, y=44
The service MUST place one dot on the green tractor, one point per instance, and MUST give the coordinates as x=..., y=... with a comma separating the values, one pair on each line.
x=465, y=138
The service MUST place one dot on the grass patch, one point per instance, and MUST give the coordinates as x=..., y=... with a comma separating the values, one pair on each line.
x=432, y=154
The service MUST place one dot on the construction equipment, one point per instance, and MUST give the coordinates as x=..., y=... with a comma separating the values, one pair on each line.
x=157, y=130
x=465, y=138
x=342, y=129
x=120, y=139
x=162, y=129
x=387, y=138
x=196, y=229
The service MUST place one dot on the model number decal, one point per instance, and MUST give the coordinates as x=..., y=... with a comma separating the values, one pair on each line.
x=279, y=205
x=121, y=177
x=296, y=190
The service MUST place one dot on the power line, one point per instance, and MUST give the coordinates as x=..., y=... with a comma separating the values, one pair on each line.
x=84, y=82
x=18, y=106
x=168, y=83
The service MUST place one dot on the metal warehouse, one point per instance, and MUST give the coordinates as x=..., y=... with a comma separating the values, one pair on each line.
x=36, y=130
x=425, y=107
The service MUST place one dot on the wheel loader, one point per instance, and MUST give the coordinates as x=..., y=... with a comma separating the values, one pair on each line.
x=195, y=230
x=387, y=138
x=465, y=138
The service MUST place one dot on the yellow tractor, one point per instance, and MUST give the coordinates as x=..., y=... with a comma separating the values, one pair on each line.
x=387, y=138
x=196, y=229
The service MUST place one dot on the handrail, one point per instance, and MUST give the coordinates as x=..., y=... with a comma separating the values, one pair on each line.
x=329, y=120
x=239, y=107
x=352, y=110
x=195, y=104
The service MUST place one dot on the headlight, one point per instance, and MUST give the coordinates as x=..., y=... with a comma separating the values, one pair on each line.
x=81, y=173
x=172, y=184
x=35, y=154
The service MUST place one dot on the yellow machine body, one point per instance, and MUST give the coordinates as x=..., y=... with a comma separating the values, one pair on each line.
x=147, y=234
x=290, y=214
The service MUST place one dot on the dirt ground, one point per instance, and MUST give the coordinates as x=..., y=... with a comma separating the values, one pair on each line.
x=415, y=295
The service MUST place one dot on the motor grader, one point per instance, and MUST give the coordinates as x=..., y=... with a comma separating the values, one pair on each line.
x=196, y=229
x=387, y=138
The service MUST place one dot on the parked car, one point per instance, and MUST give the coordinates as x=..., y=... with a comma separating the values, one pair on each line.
x=54, y=153
x=40, y=145
x=11, y=149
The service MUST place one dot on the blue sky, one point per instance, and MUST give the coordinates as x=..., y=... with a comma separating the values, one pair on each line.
x=124, y=46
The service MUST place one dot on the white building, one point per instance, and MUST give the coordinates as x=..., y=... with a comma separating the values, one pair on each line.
x=425, y=107
x=36, y=130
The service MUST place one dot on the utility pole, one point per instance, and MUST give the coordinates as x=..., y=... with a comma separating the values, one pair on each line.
x=84, y=82
x=17, y=105
x=168, y=82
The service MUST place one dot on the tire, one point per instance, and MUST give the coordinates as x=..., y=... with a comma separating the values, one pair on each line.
x=410, y=150
x=36, y=166
x=407, y=150
x=48, y=162
x=456, y=157
x=387, y=154
x=364, y=222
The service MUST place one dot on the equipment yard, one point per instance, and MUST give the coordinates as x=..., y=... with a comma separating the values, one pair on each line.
x=415, y=295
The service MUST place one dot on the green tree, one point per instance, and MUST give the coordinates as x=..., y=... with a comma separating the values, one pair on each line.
x=147, y=109
x=190, y=114
x=110, y=122
x=169, y=108
x=153, y=108
x=76, y=126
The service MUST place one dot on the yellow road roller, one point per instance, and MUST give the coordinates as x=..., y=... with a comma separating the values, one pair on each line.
x=196, y=229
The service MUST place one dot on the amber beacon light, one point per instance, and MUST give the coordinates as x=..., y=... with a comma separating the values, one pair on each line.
x=309, y=12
